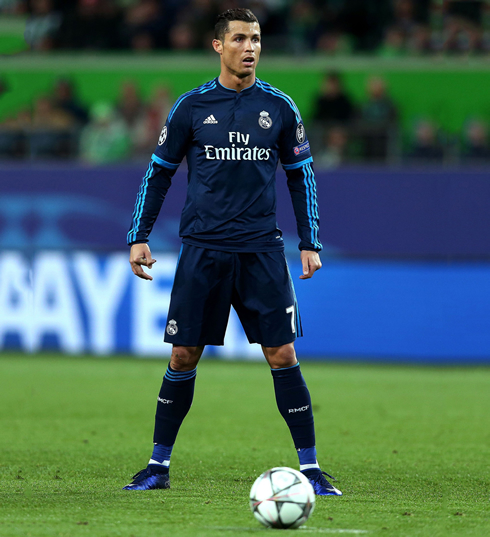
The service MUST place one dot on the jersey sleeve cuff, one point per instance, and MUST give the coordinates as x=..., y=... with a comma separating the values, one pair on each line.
x=164, y=163
x=297, y=164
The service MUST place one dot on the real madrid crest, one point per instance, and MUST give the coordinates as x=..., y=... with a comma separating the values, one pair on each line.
x=265, y=120
x=163, y=136
x=172, y=328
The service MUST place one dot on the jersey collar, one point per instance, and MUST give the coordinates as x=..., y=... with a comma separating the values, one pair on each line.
x=220, y=86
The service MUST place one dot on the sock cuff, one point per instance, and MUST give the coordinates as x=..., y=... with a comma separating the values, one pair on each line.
x=161, y=455
x=287, y=374
x=285, y=368
x=178, y=376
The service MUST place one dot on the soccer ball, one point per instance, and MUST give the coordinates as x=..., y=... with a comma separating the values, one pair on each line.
x=282, y=498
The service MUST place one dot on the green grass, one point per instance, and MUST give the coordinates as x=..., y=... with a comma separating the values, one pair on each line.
x=409, y=445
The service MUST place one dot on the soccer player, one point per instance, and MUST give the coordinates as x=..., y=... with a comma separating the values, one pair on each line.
x=233, y=130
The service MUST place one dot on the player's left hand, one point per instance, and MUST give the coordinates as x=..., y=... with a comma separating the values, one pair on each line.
x=311, y=263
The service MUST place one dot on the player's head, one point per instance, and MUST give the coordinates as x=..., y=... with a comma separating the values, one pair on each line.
x=237, y=40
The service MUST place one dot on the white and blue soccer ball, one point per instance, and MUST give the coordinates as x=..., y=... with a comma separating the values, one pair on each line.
x=282, y=498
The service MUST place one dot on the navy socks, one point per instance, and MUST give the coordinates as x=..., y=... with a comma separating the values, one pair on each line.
x=294, y=403
x=174, y=402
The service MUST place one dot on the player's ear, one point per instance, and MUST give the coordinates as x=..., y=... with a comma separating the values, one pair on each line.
x=218, y=46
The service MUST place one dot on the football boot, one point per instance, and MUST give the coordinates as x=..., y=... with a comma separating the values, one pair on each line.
x=320, y=485
x=149, y=479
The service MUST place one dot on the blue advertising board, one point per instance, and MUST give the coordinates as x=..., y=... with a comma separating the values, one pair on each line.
x=406, y=272
x=89, y=302
x=364, y=212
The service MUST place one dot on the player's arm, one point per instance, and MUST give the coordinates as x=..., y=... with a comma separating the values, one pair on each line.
x=297, y=162
x=152, y=192
x=171, y=148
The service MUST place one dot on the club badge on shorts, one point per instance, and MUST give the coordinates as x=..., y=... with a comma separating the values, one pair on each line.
x=264, y=120
x=172, y=328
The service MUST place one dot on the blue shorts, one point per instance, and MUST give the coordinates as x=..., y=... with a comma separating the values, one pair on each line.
x=208, y=282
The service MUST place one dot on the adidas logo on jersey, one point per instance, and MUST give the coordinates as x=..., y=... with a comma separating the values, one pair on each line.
x=211, y=120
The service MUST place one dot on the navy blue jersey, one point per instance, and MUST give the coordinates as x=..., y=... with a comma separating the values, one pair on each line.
x=233, y=142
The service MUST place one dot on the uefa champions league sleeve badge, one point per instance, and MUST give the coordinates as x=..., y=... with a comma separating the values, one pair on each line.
x=265, y=120
x=163, y=136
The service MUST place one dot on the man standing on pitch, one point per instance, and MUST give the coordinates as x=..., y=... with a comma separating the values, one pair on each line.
x=233, y=130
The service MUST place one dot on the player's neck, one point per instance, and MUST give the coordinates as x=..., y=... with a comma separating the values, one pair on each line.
x=236, y=83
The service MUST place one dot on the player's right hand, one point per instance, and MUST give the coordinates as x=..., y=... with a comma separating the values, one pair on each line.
x=139, y=256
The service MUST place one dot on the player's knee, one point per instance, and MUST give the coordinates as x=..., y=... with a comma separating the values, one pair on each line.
x=185, y=358
x=279, y=357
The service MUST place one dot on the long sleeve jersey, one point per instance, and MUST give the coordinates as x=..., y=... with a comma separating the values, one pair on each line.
x=233, y=142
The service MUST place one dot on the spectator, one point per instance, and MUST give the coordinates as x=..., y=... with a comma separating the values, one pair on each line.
x=131, y=110
x=144, y=25
x=420, y=42
x=334, y=150
x=147, y=131
x=182, y=37
x=42, y=25
x=463, y=29
x=105, y=138
x=476, y=149
x=51, y=130
x=394, y=45
x=13, y=7
x=201, y=17
x=130, y=106
x=379, y=108
x=13, y=139
x=404, y=16
x=303, y=24
x=65, y=99
x=426, y=148
x=333, y=105
x=334, y=43
x=377, y=124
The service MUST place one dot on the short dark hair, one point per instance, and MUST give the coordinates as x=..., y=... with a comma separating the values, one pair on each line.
x=223, y=21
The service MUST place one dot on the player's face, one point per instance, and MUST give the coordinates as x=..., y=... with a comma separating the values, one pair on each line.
x=240, y=49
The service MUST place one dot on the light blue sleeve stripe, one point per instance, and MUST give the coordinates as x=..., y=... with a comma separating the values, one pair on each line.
x=164, y=163
x=297, y=164
x=315, y=201
x=312, y=205
x=278, y=93
x=201, y=89
x=308, y=201
x=139, y=204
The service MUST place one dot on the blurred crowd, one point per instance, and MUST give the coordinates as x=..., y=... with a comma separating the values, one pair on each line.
x=389, y=28
x=343, y=133
x=59, y=126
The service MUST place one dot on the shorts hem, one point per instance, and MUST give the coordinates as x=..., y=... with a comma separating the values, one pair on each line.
x=198, y=344
x=268, y=344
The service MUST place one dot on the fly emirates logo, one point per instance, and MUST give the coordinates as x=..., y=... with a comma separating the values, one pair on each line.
x=236, y=151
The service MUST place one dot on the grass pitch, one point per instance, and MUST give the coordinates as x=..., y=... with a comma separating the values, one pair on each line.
x=409, y=446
